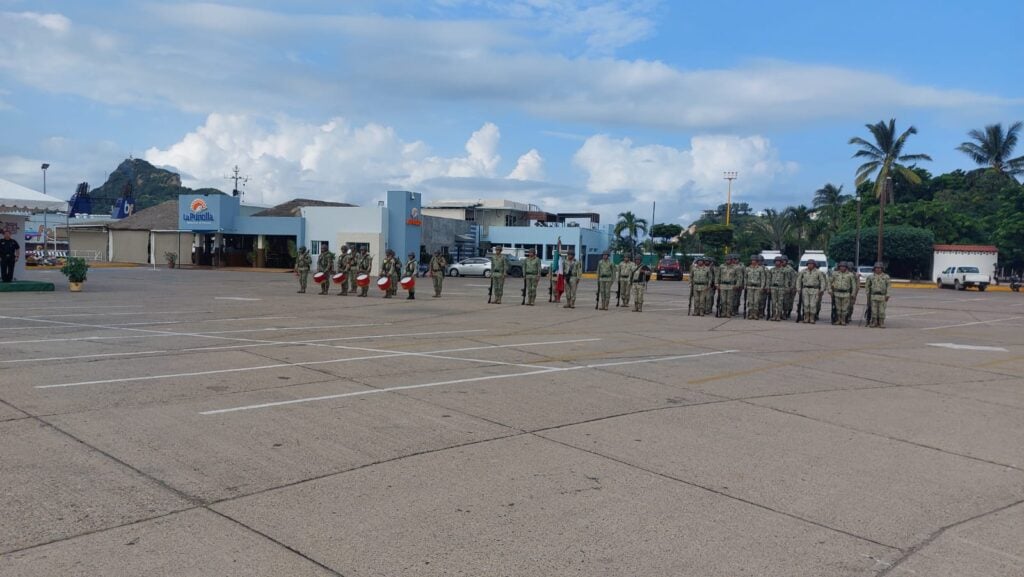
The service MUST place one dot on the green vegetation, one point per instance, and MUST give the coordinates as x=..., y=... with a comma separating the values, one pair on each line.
x=632, y=226
x=75, y=269
x=152, y=186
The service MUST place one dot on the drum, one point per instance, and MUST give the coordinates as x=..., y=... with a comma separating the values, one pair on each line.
x=363, y=280
x=408, y=282
x=384, y=283
x=319, y=277
x=339, y=278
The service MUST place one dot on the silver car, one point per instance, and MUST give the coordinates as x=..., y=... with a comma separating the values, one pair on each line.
x=475, y=266
x=863, y=272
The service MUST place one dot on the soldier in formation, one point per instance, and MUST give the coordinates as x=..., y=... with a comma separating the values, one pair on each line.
x=573, y=272
x=302, y=264
x=531, y=275
x=411, y=268
x=364, y=264
x=756, y=285
x=638, y=277
x=624, y=276
x=877, y=286
x=728, y=279
x=389, y=268
x=700, y=285
x=499, y=268
x=841, y=288
x=811, y=283
x=605, y=276
x=781, y=283
x=325, y=264
x=346, y=265
x=436, y=269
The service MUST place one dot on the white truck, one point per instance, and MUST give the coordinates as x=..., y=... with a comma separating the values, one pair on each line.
x=819, y=259
x=961, y=277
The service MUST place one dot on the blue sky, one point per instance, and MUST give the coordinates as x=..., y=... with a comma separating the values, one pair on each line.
x=587, y=105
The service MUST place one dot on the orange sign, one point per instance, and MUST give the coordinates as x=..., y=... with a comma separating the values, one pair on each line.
x=414, y=222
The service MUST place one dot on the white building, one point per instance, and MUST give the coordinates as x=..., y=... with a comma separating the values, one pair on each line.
x=982, y=256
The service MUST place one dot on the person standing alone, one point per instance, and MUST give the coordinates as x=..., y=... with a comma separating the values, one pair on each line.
x=10, y=252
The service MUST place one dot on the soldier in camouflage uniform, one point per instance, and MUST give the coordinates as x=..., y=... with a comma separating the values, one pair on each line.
x=364, y=264
x=349, y=263
x=713, y=272
x=811, y=283
x=573, y=272
x=325, y=264
x=342, y=268
x=841, y=287
x=605, y=276
x=756, y=279
x=700, y=285
x=412, y=266
x=787, y=302
x=727, y=281
x=856, y=290
x=531, y=272
x=626, y=270
x=437, y=269
x=741, y=284
x=780, y=286
x=878, y=285
x=389, y=269
x=638, y=279
x=302, y=263
x=499, y=268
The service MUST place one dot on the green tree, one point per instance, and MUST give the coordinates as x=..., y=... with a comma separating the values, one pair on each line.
x=632, y=226
x=908, y=250
x=666, y=231
x=802, y=226
x=773, y=227
x=884, y=155
x=828, y=203
x=994, y=147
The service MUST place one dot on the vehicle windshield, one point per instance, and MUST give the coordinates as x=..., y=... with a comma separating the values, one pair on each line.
x=973, y=269
x=668, y=262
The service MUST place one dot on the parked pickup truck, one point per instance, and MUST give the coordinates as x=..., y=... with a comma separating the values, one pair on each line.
x=961, y=277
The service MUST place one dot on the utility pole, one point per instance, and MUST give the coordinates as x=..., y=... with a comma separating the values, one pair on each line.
x=46, y=231
x=886, y=192
x=730, y=176
x=858, y=231
x=237, y=178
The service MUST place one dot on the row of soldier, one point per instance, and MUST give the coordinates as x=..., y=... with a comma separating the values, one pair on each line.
x=769, y=294
x=766, y=294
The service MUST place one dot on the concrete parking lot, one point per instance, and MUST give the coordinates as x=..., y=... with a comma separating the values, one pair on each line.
x=176, y=422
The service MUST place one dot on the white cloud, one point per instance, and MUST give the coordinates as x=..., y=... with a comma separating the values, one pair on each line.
x=289, y=158
x=681, y=180
x=530, y=166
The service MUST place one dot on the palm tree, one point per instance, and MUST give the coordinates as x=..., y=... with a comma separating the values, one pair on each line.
x=885, y=155
x=993, y=148
x=632, y=225
x=802, y=224
x=828, y=202
x=774, y=226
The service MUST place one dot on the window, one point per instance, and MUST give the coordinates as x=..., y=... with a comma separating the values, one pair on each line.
x=315, y=246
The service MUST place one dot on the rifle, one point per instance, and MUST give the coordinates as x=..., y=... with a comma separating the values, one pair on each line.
x=768, y=306
x=800, y=307
x=551, y=286
x=835, y=316
x=867, y=312
x=689, y=305
x=524, y=290
x=745, y=291
x=718, y=302
x=490, y=291
x=618, y=288
x=597, y=295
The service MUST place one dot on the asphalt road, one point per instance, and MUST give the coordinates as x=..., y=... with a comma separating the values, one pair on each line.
x=177, y=422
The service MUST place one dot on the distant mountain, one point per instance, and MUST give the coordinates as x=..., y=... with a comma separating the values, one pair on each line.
x=152, y=186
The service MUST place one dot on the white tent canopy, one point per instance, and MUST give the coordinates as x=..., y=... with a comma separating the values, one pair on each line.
x=14, y=197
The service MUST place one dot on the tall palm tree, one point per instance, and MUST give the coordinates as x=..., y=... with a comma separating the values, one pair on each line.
x=632, y=226
x=993, y=148
x=828, y=202
x=802, y=225
x=774, y=227
x=885, y=155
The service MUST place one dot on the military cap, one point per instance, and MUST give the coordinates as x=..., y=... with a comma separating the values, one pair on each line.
x=756, y=257
x=843, y=263
x=879, y=265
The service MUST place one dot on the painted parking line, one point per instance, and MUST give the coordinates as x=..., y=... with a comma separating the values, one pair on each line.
x=235, y=299
x=382, y=354
x=150, y=323
x=957, y=346
x=243, y=346
x=973, y=323
x=459, y=381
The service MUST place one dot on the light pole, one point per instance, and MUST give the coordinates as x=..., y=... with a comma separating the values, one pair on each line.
x=46, y=230
x=858, y=232
x=886, y=191
x=730, y=176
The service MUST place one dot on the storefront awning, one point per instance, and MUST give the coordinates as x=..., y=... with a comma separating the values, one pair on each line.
x=17, y=198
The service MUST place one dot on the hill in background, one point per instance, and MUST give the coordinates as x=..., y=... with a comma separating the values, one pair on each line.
x=152, y=186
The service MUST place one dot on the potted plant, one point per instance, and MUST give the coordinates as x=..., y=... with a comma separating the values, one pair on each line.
x=171, y=258
x=75, y=268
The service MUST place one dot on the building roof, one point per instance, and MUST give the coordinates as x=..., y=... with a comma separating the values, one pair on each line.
x=163, y=216
x=16, y=197
x=294, y=206
x=966, y=247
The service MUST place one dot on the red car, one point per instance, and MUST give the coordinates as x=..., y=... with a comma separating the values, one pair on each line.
x=669, y=268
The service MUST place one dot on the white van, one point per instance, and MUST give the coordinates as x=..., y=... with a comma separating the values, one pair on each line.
x=819, y=258
x=769, y=258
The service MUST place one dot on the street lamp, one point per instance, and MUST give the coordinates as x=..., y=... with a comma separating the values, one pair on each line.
x=730, y=176
x=886, y=192
x=45, y=229
x=858, y=231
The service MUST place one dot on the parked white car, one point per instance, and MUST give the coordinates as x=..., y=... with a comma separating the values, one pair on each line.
x=961, y=277
x=863, y=273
